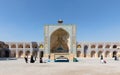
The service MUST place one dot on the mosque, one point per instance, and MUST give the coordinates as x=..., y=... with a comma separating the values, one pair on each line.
x=60, y=41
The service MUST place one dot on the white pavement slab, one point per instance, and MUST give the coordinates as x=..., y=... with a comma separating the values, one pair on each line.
x=19, y=67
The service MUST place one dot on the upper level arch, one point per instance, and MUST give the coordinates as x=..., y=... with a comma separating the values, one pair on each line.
x=78, y=46
x=100, y=46
x=27, y=46
x=13, y=46
x=107, y=46
x=93, y=46
x=41, y=46
x=20, y=46
x=114, y=46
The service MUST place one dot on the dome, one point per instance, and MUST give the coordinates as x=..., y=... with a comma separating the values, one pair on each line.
x=60, y=21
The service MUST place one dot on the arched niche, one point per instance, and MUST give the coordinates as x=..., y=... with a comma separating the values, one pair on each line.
x=34, y=53
x=41, y=45
x=114, y=46
x=20, y=53
x=27, y=53
x=59, y=41
x=100, y=46
x=93, y=53
x=100, y=53
x=85, y=50
x=93, y=46
x=107, y=46
x=107, y=53
x=114, y=53
x=13, y=46
x=78, y=53
x=6, y=46
x=13, y=53
x=34, y=45
x=27, y=46
x=78, y=46
x=20, y=46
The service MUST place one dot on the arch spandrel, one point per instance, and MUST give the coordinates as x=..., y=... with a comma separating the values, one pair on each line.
x=64, y=27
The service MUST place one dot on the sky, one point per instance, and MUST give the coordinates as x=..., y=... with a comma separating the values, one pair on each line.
x=24, y=20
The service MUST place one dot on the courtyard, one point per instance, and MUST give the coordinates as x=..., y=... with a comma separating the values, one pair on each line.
x=19, y=67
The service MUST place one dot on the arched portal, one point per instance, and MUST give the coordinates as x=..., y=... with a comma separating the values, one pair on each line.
x=107, y=46
x=114, y=53
x=78, y=53
x=100, y=53
x=85, y=50
x=13, y=53
x=27, y=46
x=59, y=42
x=20, y=54
x=114, y=46
x=7, y=53
x=92, y=53
x=107, y=53
x=34, y=45
x=34, y=53
x=27, y=53
x=93, y=46
x=13, y=46
x=41, y=54
x=100, y=46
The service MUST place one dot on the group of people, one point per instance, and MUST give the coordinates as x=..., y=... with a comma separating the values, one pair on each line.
x=33, y=59
x=104, y=61
x=44, y=60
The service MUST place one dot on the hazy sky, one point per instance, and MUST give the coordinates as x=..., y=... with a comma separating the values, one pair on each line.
x=24, y=20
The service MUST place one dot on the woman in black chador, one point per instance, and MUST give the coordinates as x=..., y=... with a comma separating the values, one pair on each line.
x=41, y=60
x=115, y=58
x=31, y=59
x=26, y=59
x=101, y=57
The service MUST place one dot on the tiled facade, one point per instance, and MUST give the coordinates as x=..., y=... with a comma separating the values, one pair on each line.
x=84, y=49
x=75, y=49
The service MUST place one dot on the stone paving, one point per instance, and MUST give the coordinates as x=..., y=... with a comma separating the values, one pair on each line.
x=84, y=67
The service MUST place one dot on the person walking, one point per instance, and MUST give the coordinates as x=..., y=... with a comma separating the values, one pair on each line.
x=101, y=59
x=31, y=59
x=26, y=59
x=41, y=60
x=115, y=58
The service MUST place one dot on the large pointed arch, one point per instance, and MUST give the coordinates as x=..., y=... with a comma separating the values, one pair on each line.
x=59, y=41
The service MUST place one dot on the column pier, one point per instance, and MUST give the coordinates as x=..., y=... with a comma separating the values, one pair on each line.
x=16, y=50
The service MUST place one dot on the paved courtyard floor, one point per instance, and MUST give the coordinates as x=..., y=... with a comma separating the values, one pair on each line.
x=19, y=67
